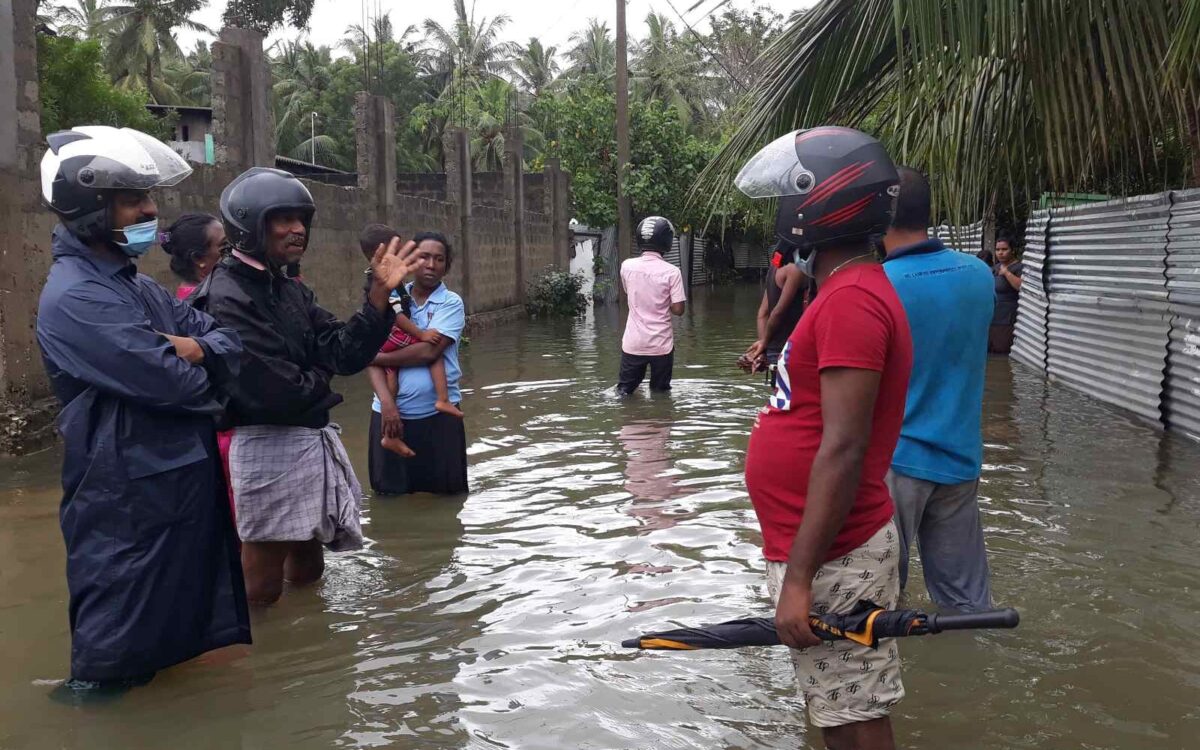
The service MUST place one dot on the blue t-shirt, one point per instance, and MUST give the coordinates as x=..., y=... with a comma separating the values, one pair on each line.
x=948, y=297
x=416, y=395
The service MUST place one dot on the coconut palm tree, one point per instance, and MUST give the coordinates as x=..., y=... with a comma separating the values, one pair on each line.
x=593, y=52
x=190, y=78
x=143, y=36
x=85, y=19
x=669, y=69
x=991, y=99
x=301, y=71
x=474, y=47
x=490, y=114
x=535, y=69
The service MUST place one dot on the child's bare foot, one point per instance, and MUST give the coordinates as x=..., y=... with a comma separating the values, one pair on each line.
x=445, y=407
x=397, y=446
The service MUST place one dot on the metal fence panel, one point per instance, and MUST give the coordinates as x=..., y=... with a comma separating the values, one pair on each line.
x=699, y=264
x=1108, y=319
x=746, y=255
x=1029, y=345
x=1181, y=396
x=965, y=239
x=672, y=256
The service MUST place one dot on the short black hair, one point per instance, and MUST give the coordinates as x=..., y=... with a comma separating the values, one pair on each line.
x=186, y=241
x=1008, y=239
x=374, y=235
x=436, y=237
x=914, y=206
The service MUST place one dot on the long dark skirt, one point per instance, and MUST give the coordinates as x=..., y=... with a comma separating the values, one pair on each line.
x=440, y=466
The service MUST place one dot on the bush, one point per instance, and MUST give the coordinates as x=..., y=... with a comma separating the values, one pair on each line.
x=556, y=294
x=75, y=90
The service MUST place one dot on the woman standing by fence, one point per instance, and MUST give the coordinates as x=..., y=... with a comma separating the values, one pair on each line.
x=1007, y=271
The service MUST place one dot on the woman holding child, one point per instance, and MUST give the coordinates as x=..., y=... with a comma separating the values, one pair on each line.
x=418, y=442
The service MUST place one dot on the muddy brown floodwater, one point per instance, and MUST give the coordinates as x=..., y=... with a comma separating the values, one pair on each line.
x=494, y=621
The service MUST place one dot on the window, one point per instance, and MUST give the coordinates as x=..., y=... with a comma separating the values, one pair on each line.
x=185, y=133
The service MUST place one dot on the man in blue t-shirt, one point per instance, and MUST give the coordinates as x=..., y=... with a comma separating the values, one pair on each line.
x=934, y=479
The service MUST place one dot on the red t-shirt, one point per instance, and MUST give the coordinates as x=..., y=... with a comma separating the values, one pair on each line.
x=855, y=321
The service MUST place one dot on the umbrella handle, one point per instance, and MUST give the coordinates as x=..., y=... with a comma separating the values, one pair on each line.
x=996, y=618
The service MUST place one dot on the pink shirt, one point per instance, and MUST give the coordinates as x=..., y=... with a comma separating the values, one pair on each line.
x=652, y=285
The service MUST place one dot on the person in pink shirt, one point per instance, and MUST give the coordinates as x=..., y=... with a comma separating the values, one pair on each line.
x=195, y=243
x=654, y=289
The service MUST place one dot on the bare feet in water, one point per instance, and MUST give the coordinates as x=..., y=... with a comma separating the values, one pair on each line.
x=445, y=407
x=397, y=446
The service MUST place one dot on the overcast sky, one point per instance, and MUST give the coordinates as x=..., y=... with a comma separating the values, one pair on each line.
x=552, y=21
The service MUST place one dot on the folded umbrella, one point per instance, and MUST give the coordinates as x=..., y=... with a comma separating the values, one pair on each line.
x=867, y=623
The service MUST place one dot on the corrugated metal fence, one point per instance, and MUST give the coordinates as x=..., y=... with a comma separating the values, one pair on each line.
x=1110, y=303
x=966, y=239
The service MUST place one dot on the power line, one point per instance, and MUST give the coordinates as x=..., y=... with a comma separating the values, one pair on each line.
x=700, y=39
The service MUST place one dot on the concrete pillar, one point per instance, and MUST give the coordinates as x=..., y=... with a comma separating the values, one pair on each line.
x=558, y=206
x=375, y=136
x=456, y=146
x=243, y=123
x=26, y=408
x=514, y=202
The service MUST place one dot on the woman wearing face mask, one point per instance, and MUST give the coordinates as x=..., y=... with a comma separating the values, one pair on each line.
x=194, y=243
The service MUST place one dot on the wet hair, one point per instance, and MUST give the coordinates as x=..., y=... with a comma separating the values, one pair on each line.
x=374, y=235
x=914, y=205
x=437, y=237
x=186, y=241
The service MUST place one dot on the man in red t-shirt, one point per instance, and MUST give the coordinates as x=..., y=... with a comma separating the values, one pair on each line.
x=822, y=446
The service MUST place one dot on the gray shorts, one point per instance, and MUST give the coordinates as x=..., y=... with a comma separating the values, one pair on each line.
x=844, y=682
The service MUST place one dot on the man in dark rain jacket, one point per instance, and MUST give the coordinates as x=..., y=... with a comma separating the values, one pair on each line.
x=293, y=484
x=152, y=564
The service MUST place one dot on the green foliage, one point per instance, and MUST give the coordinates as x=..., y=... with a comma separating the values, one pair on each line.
x=143, y=39
x=580, y=126
x=996, y=101
x=76, y=91
x=265, y=15
x=556, y=294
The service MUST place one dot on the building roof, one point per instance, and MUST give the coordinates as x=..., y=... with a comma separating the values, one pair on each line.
x=161, y=109
x=307, y=166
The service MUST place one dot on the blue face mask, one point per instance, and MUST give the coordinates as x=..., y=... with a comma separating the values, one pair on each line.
x=139, y=238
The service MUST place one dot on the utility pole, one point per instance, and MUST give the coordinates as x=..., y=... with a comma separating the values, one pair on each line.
x=624, y=208
x=312, y=141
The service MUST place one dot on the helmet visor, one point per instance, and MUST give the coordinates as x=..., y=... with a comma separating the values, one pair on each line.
x=775, y=171
x=132, y=160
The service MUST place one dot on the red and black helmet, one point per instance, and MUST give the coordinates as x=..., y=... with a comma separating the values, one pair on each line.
x=834, y=185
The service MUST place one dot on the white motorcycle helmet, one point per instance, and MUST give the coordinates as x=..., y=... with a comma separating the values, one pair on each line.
x=84, y=166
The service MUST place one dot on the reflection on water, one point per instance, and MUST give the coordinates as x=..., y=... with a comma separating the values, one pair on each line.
x=493, y=621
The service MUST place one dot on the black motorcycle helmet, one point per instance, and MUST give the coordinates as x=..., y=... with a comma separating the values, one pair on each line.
x=86, y=165
x=255, y=193
x=834, y=185
x=655, y=233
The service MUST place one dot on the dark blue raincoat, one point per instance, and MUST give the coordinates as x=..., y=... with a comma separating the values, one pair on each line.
x=152, y=559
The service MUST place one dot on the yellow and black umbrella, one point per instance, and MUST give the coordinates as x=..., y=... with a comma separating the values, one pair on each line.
x=865, y=624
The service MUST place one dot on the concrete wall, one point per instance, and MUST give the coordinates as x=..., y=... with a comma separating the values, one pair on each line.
x=492, y=245
x=423, y=184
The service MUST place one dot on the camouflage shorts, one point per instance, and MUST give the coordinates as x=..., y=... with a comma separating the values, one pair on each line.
x=844, y=682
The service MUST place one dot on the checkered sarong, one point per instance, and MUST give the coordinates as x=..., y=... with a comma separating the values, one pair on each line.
x=293, y=484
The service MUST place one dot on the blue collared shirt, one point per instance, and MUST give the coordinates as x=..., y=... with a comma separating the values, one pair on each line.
x=948, y=299
x=442, y=311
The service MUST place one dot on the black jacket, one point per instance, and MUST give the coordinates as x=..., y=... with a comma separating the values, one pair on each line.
x=291, y=346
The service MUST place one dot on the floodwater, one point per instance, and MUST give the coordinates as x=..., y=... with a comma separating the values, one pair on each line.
x=493, y=621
